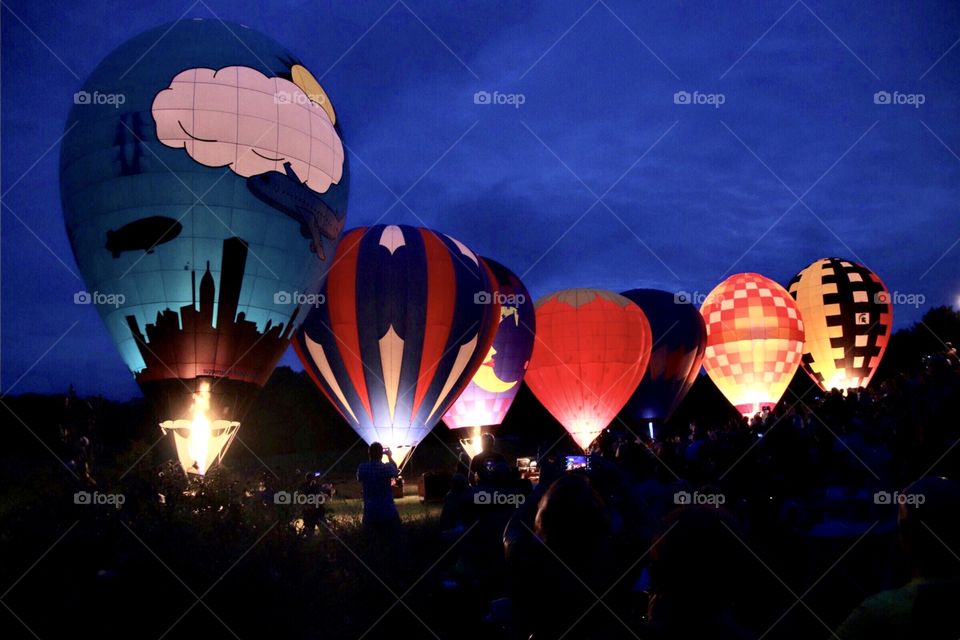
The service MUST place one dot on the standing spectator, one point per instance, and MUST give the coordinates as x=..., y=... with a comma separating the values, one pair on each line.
x=696, y=573
x=925, y=607
x=313, y=509
x=484, y=463
x=375, y=476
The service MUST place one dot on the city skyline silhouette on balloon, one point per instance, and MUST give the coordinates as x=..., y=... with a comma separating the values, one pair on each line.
x=195, y=205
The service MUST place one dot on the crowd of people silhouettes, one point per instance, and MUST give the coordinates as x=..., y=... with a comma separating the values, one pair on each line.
x=844, y=494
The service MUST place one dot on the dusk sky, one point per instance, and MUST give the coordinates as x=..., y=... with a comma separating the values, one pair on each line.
x=588, y=174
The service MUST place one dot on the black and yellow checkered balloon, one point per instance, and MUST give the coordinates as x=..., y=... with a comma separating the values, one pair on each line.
x=848, y=316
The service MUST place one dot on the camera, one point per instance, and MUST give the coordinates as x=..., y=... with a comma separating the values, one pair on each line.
x=575, y=463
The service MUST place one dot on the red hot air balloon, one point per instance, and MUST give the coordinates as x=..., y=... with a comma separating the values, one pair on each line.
x=754, y=340
x=409, y=316
x=589, y=355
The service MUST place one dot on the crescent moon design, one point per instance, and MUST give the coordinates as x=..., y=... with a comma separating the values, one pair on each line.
x=486, y=378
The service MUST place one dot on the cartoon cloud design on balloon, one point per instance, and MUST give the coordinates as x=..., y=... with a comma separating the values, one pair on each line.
x=276, y=133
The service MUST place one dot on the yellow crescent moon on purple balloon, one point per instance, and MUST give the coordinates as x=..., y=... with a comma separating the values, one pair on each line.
x=486, y=378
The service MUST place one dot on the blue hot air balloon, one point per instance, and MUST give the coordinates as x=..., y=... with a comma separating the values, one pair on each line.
x=679, y=344
x=408, y=316
x=204, y=188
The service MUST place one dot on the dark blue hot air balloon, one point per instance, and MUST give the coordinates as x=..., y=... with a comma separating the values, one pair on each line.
x=679, y=343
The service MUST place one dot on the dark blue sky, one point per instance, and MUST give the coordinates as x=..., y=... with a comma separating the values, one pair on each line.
x=690, y=192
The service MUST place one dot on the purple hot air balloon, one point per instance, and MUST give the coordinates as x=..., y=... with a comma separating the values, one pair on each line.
x=490, y=393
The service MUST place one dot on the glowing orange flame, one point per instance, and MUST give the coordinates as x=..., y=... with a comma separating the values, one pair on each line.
x=471, y=444
x=199, y=439
x=200, y=442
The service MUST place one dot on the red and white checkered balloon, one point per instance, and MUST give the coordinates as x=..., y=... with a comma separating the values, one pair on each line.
x=754, y=340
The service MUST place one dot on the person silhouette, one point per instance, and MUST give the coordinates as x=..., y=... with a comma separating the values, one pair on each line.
x=379, y=511
x=929, y=532
x=484, y=463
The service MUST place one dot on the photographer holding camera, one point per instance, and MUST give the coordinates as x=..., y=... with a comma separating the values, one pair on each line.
x=379, y=512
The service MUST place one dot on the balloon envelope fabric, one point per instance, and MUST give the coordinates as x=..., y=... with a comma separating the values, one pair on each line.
x=590, y=352
x=408, y=318
x=754, y=340
x=192, y=258
x=848, y=316
x=679, y=343
x=490, y=393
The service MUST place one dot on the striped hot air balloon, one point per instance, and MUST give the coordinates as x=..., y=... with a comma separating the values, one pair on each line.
x=589, y=355
x=679, y=343
x=848, y=318
x=754, y=340
x=488, y=397
x=409, y=316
